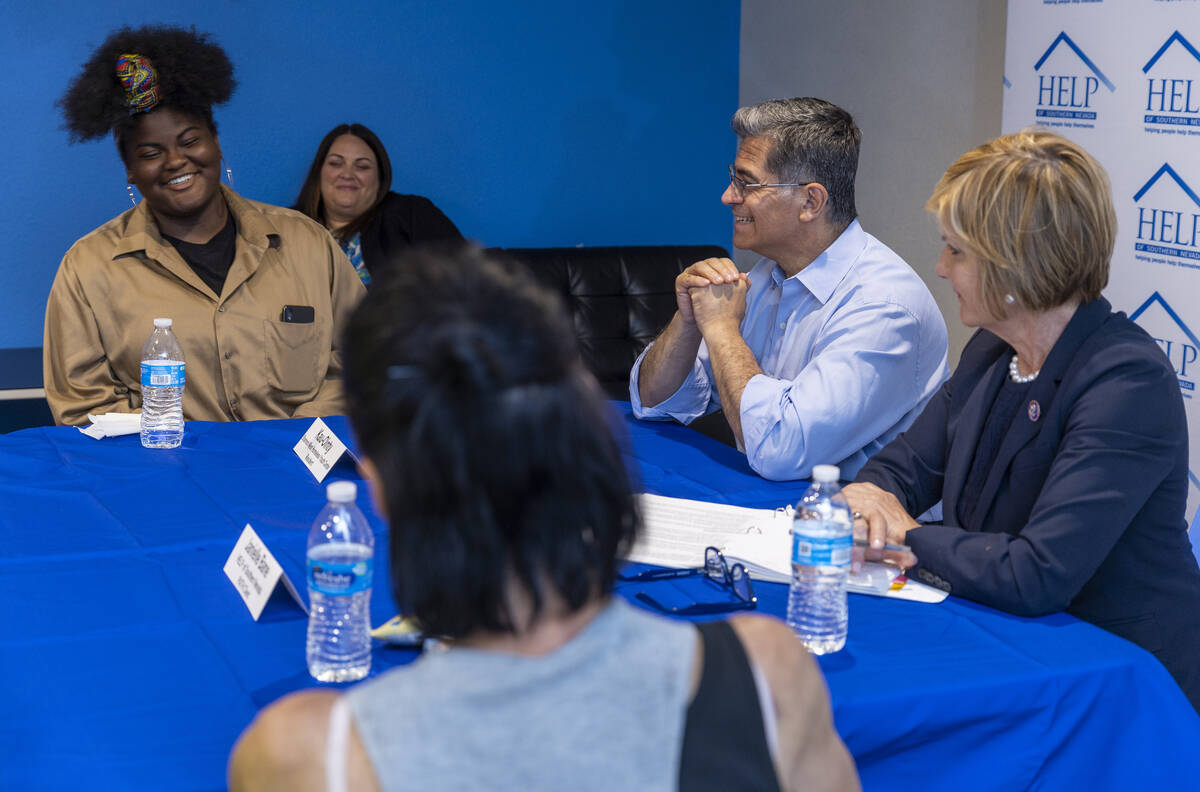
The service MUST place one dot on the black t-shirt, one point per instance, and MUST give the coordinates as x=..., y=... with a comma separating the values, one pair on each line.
x=210, y=260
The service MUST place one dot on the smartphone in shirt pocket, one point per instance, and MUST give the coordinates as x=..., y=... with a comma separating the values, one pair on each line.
x=291, y=349
x=298, y=314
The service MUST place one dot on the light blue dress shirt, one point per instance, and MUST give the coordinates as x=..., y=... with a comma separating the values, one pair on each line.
x=851, y=348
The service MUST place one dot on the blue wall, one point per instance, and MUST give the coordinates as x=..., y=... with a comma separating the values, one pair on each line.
x=530, y=123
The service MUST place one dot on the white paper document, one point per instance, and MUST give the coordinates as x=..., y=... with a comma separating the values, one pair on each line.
x=676, y=531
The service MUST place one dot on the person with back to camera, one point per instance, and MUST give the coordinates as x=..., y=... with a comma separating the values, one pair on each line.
x=831, y=345
x=548, y=681
x=257, y=292
x=1059, y=446
x=348, y=189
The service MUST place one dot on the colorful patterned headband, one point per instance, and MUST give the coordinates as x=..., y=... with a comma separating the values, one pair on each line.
x=140, y=81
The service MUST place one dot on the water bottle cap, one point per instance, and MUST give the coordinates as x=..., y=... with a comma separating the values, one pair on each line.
x=341, y=492
x=162, y=322
x=826, y=474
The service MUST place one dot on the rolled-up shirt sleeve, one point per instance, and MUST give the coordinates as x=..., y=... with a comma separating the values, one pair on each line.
x=696, y=396
x=862, y=379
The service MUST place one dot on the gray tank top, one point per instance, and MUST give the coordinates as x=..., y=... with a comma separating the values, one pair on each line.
x=603, y=712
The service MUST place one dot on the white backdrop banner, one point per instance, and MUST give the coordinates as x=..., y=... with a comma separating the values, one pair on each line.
x=1122, y=78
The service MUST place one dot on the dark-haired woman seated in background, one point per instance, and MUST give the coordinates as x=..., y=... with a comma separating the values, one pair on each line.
x=484, y=441
x=348, y=190
x=1059, y=447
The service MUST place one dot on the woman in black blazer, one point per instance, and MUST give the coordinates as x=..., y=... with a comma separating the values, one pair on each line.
x=1058, y=448
x=348, y=191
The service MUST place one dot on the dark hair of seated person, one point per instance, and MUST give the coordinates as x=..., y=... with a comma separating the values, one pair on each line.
x=491, y=443
x=192, y=73
x=309, y=200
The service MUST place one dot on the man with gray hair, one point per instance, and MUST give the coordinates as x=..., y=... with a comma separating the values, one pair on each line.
x=831, y=345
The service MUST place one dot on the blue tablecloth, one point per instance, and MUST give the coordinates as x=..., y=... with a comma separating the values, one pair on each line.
x=129, y=662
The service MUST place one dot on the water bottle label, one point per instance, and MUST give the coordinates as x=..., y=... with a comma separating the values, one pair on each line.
x=340, y=578
x=821, y=550
x=163, y=373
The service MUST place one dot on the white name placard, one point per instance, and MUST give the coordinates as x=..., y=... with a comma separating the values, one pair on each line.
x=319, y=449
x=254, y=572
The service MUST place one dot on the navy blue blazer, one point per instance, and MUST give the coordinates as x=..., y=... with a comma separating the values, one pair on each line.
x=1083, y=506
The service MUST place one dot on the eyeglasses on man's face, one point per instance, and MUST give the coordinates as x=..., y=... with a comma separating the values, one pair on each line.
x=741, y=186
x=716, y=569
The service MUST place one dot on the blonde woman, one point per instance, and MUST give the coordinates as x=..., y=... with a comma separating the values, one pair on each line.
x=1059, y=446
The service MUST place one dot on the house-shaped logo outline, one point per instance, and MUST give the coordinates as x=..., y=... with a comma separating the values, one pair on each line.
x=1174, y=317
x=1174, y=38
x=1168, y=170
x=1063, y=38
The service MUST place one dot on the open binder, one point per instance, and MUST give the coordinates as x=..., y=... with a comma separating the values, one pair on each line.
x=677, y=530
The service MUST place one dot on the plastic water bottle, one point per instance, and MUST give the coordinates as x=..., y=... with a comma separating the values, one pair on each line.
x=340, y=570
x=163, y=379
x=821, y=542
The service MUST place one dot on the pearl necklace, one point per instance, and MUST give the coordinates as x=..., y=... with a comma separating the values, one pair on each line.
x=1016, y=376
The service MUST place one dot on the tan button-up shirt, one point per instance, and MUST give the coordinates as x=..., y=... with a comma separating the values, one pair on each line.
x=243, y=362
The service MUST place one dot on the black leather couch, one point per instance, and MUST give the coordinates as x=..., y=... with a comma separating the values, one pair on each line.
x=620, y=298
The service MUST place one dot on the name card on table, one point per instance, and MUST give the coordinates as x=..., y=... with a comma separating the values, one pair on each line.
x=320, y=449
x=255, y=573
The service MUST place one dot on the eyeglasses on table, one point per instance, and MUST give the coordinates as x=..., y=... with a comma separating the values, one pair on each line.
x=716, y=569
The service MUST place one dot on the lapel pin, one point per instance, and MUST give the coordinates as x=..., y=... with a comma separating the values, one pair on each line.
x=1035, y=410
